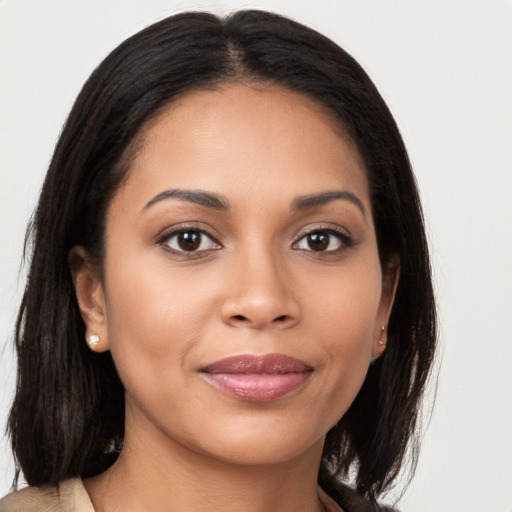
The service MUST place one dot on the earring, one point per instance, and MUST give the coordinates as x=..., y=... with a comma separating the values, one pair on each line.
x=92, y=340
x=381, y=341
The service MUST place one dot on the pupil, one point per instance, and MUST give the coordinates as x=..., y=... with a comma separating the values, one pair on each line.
x=189, y=240
x=318, y=241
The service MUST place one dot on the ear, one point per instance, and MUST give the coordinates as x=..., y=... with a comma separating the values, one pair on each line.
x=390, y=279
x=90, y=296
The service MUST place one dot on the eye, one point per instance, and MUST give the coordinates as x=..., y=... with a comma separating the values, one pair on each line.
x=190, y=240
x=323, y=241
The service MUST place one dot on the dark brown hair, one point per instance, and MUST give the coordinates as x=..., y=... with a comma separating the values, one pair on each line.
x=68, y=415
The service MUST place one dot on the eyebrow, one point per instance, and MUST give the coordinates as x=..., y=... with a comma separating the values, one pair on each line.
x=218, y=202
x=310, y=201
x=200, y=197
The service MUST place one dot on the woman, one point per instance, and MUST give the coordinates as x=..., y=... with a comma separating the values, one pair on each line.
x=231, y=223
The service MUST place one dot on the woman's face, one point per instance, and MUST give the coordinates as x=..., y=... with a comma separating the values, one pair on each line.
x=241, y=296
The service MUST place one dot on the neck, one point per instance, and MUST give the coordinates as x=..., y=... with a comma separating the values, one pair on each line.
x=157, y=473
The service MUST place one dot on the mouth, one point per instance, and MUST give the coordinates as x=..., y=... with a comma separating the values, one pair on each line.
x=257, y=378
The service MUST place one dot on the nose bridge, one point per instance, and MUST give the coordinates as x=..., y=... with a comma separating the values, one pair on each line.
x=261, y=293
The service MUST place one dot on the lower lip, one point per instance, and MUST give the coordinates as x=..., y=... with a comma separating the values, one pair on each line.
x=257, y=387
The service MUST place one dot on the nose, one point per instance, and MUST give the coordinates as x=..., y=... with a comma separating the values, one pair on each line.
x=260, y=295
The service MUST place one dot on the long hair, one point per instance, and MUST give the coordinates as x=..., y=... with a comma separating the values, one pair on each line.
x=68, y=414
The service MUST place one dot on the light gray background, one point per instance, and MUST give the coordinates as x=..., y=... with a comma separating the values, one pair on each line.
x=445, y=68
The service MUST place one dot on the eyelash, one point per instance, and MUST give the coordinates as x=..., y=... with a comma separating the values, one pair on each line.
x=343, y=237
x=165, y=240
x=345, y=240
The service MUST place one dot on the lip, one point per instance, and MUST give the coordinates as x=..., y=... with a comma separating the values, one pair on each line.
x=256, y=378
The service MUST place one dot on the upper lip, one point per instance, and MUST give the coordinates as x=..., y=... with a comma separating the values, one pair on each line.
x=268, y=363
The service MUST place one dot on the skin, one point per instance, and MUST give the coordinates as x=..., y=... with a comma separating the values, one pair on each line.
x=255, y=287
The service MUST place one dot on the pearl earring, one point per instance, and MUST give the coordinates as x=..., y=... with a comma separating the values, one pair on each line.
x=92, y=340
x=381, y=341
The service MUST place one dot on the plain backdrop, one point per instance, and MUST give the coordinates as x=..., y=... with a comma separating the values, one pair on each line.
x=445, y=69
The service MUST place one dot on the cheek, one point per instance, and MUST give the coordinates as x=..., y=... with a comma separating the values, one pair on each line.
x=154, y=320
x=345, y=305
x=150, y=295
x=343, y=313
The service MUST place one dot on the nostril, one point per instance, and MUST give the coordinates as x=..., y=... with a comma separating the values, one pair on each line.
x=281, y=318
x=240, y=317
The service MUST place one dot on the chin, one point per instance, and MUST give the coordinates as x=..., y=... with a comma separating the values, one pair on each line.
x=258, y=452
x=265, y=443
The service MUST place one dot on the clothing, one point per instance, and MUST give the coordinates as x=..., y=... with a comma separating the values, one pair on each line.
x=71, y=496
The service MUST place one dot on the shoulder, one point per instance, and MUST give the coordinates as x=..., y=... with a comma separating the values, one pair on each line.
x=31, y=499
x=68, y=496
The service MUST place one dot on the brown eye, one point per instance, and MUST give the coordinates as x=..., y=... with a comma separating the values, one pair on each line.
x=190, y=240
x=318, y=241
x=323, y=241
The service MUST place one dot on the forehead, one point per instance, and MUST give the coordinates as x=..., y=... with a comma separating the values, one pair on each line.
x=245, y=138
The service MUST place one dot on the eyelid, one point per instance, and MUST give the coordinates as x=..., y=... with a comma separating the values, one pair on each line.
x=332, y=229
x=165, y=235
x=322, y=226
x=184, y=226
